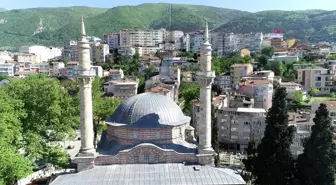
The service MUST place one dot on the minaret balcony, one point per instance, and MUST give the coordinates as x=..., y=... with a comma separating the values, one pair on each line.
x=206, y=74
x=85, y=73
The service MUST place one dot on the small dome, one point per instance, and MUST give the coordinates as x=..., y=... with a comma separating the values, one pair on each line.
x=148, y=110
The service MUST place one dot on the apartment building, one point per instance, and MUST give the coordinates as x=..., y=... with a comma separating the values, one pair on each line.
x=42, y=68
x=99, y=52
x=142, y=38
x=240, y=70
x=331, y=105
x=54, y=68
x=238, y=126
x=223, y=81
x=291, y=88
x=121, y=88
x=147, y=51
x=116, y=74
x=112, y=40
x=25, y=58
x=71, y=51
x=260, y=90
x=197, y=40
x=7, y=69
x=316, y=77
x=43, y=54
x=303, y=123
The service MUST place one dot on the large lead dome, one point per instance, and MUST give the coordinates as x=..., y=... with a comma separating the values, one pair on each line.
x=148, y=110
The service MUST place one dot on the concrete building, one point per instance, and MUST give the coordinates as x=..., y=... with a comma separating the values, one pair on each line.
x=7, y=69
x=291, y=88
x=54, y=68
x=121, y=88
x=116, y=74
x=240, y=70
x=43, y=54
x=197, y=40
x=141, y=38
x=99, y=52
x=285, y=58
x=238, y=126
x=25, y=58
x=98, y=71
x=164, y=82
x=223, y=81
x=316, y=77
x=112, y=39
x=163, y=91
x=71, y=51
x=260, y=90
x=303, y=123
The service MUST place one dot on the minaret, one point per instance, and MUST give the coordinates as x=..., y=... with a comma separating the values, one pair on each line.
x=85, y=77
x=205, y=77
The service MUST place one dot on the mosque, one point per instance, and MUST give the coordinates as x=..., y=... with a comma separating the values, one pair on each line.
x=148, y=138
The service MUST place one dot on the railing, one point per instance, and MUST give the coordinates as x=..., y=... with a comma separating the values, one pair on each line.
x=84, y=72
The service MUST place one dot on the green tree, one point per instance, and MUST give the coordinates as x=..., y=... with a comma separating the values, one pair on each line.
x=214, y=134
x=13, y=166
x=251, y=155
x=102, y=107
x=313, y=91
x=51, y=115
x=274, y=163
x=317, y=164
x=268, y=51
x=297, y=97
x=279, y=68
x=263, y=60
x=188, y=92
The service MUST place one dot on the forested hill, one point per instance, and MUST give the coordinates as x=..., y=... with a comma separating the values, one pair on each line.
x=308, y=26
x=61, y=24
x=54, y=26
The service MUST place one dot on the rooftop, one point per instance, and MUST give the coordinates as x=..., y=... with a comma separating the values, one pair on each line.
x=158, y=89
x=158, y=174
x=240, y=65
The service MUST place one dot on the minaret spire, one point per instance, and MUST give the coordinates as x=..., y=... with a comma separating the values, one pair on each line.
x=206, y=32
x=205, y=77
x=85, y=76
x=83, y=29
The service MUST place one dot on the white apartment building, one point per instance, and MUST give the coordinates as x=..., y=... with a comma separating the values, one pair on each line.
x=7, y=69
x=146, y=51
x=43, y=68
x=270, y=36
x=291, y=88
x=98, y=70
x=141, y=38
x=316, y=77
x=55, y=67
x=43, y=54
x=197, y=40
x=121, y=88
x=112, y=39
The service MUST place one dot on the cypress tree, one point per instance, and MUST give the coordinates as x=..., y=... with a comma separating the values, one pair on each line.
x=214, y=136
x=274, y=163
x=316, y=165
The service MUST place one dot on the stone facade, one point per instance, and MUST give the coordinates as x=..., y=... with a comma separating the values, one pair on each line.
x=146, y=154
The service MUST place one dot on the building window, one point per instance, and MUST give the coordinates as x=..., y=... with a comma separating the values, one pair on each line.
x=333, y=114
x=135, y=134
x=136, y=158
x=156, y=157
x=158, y=135
x=146, y=157
x=234, y=129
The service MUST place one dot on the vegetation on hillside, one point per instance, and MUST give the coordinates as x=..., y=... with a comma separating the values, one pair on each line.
x=307, y=26
x=64, y=23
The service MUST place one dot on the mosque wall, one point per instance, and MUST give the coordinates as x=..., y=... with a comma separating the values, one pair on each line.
x=146, y=154
x=132, y=136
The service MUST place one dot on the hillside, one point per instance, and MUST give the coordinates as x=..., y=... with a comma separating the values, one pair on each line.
x=308, y=26
x=2, y=10
x=62, y=24
x=21, y=24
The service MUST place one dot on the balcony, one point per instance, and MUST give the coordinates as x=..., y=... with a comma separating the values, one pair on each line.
x=84, y=73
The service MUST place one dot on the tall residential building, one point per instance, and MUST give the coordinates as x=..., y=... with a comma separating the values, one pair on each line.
x=240, y=70
x=142, y=38
x=316, y=77
x=7, y=69
x=230, y=42
x=112, y=40
x=197, y=40
x=99, y=52
x=25, y=58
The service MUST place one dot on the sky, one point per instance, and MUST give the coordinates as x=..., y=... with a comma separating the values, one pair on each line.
x=246, y=5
